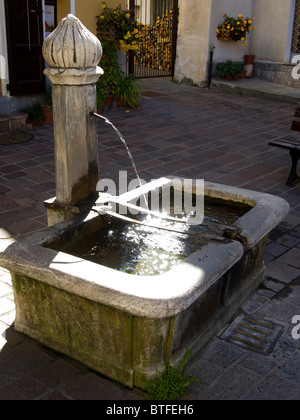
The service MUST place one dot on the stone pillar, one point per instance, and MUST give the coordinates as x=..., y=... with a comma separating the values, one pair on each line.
x=72, y=53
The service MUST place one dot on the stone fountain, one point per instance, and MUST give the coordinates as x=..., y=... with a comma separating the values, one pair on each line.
x=72, y=54
x=121, y=325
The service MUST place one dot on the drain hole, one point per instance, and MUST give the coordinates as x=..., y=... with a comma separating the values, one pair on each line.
x=253, y=334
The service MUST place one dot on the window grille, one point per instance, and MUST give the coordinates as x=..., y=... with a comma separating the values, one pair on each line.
x=296, y=31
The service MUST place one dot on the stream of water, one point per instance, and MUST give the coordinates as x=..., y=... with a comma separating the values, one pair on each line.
x=107, y=121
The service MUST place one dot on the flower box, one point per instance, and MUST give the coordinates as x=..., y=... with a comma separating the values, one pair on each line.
x=234, y=28
x=224, y=35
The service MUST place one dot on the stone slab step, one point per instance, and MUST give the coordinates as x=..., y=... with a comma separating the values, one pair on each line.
x=13, y=122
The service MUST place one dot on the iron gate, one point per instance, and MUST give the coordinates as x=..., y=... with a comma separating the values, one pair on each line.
x=156, y=54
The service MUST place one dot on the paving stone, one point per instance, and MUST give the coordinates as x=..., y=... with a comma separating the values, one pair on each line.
x=275, y=286
x=5, y=289
x=288, y=240
x=53, y=396
x=205, y=371
x=276, y=249
x=291, y=258
x=18, y=361
x=290, y=370
x=6, y=305
x=257, y=363
x=92, y=387
x=55, y=373
x=222, y=353
x=232, y=385
x=273, y=388
x=282, y=272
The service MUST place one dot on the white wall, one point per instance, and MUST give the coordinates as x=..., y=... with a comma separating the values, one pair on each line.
x=272, y=36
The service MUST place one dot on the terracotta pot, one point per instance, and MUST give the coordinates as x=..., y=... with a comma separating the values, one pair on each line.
x=249, y=59
x=230, y=77
x=242, y=74
x=109, y=100
x=48, y=116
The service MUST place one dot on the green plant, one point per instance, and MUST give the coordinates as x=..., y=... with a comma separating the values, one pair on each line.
x=114, y=82
x=172, y=384
x=127, y=93
x=34, y=114
x=229, y=68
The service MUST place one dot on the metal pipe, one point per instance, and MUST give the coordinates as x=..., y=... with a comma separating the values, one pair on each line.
x=210, y=67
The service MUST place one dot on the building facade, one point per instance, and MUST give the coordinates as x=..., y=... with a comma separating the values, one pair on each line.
x=275, y=42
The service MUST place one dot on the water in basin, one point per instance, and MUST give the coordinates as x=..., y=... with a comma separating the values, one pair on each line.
x=140, y=250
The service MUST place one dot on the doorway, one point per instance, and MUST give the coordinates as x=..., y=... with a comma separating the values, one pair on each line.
x=25, y=33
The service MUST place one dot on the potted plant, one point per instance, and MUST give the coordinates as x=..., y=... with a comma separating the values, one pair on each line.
x=34, y=115
x=47, y=108
x=235, y=28
x=127, y=94
x=229, y=70
x=114, y=84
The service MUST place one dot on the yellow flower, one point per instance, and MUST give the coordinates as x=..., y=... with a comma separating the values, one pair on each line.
x=242, y=39
x=101, y=17
x=249, y=21
x=242, y=29
x=104, y=5
x=128, y=15
x=228, y=26
x=240, y=16
x=218, y=31
x=250, y=28
x=243, y=44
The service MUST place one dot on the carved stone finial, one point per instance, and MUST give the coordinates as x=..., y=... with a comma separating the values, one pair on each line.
x=72, y=45
x=73, y=52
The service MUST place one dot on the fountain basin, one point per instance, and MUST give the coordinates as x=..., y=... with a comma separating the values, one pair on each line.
x=125, y=326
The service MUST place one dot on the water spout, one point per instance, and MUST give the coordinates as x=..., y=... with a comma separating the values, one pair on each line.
x=107, y=121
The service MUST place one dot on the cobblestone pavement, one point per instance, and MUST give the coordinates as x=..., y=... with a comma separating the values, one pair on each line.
x=189, y=132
